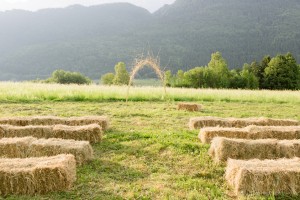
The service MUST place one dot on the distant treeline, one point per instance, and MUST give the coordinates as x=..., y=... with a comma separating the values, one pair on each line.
x=278, y=73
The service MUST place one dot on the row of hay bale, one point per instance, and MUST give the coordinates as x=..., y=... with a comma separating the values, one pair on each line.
x=32, y=147
x=200, y=122
x=92, y=132
x=40, y=175
x=261, y=159
x=39, y=154
x=53, y=120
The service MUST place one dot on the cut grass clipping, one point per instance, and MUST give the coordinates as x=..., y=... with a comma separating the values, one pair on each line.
x=52, y=120
x=250, y=132
x=223, y=148
x=267, y=177
x=200, y=122
x=32, y=147
x=31, y=176
x=92, y=133
x=192, y=107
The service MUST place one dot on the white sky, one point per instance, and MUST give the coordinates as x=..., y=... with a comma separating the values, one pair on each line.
x=33, y=5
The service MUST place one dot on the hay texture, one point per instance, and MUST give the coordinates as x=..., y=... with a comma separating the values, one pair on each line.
x=32, y=176
x=200, y=122
x=223, y=148
x=251, y=132
x=189, y=107
x=52, y=120
x=82, y=150
x=265, y=177
x=92, y=133
x=32, y=147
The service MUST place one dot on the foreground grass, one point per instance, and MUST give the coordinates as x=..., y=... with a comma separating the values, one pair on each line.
x=149, y=153
x=33, y=92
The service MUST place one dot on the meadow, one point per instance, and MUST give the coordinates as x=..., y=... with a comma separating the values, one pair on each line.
x=149, y=152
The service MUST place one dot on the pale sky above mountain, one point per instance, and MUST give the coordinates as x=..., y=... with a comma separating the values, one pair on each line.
x=33, y=5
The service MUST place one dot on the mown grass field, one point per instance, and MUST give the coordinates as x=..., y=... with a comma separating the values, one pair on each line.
x=149, y=152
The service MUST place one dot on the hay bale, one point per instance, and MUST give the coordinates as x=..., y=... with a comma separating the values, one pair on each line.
x=32, y=176
x=79, y=121
x=192, y=107
x=33, y=147
x=265, y=177
x=15, y=147
x=91, y=133
x=251, y=132
x=82, y=150
x=52, y=120
x=223, y=148
x=24, y=131
x=200, y=122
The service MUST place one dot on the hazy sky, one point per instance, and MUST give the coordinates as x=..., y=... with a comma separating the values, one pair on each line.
x=151, y=5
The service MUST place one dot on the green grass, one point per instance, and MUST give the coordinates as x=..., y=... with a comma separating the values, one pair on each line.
x=148, y=153
x=33, y=92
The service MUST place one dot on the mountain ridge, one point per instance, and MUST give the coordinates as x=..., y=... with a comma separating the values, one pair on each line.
x=92, y=39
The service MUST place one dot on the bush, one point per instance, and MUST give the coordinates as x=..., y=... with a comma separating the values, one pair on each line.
x=108, y=79
x=66, y=77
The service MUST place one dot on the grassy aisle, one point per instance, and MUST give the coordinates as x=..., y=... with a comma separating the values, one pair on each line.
x=149, y=153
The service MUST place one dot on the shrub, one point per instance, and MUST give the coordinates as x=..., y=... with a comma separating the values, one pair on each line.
x=66, y=77
x=108, y=79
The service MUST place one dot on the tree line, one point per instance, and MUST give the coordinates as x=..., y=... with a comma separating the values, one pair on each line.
x=278, y=73
x=275, y=73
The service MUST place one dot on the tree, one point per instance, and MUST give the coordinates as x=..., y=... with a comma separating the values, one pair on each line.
x=259, y=70
x=219, y=71
x=249, y=78
x=169, y=78
x=282, y=72
x=66, y=77
x=107, y=79
x=180, y=80
x=236, y=80
x=196, y=77
x=121, y=75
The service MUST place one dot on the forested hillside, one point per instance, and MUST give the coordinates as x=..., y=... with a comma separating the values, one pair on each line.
x=93, y=39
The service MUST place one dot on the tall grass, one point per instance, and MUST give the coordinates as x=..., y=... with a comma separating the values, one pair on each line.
x=35, y=92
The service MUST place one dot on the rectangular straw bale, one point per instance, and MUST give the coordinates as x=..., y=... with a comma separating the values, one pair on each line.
x=86, y=120
x=192, y=107
x=91, y=133
x=33, y=147
x=251, y=132
x=200, y=122
x=31, y=176
x=53, y=120
x=23, y=131
x=264, y=177
x=223, y=148
x=15, y=147
x=82, y=150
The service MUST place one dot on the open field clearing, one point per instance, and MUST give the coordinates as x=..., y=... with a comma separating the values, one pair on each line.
x=149, y=151
x=33, y=92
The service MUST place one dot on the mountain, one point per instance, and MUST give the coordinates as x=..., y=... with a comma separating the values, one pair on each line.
x=92, y=39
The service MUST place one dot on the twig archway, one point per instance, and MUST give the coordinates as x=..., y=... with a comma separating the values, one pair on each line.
x=151, y=62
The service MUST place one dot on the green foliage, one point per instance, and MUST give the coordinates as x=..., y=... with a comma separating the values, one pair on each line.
x=196, y=77
x=251, y=81
x=107, y=79
x=282, y=73
x=121, y=75
x=218, y=71
x=66, y=77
